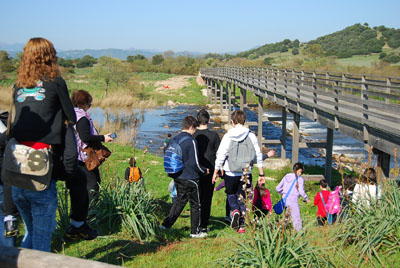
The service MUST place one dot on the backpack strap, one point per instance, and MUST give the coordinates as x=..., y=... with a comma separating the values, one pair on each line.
x=323, y=202
x=130, y=174
x=183, y=139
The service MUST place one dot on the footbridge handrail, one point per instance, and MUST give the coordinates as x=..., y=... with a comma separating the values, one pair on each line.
x=365, y=107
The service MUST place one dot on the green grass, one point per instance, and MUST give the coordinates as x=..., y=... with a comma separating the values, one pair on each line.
x=82, y=79
x=360, y=60
x=145, y=76
x=174, y=248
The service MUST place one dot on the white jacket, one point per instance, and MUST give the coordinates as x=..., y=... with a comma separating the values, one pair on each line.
x=237, y=133
x=365, y=194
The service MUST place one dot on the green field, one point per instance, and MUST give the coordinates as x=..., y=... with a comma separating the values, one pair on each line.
x=174, y=248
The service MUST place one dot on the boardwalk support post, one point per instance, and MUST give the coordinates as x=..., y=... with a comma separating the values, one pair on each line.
x=283, y=137
x=296, y=138
x=328, y=156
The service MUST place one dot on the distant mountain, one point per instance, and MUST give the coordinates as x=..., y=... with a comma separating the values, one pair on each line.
x=111, y=52
x=13, y=49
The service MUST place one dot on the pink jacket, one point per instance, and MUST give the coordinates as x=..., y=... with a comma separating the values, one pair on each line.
x=265, y=200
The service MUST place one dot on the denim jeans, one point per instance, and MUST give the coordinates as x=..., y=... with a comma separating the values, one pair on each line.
x=4, y=241
x=38, y=211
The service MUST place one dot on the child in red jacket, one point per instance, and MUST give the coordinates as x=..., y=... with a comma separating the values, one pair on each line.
x=321, y=213
x=262, y=199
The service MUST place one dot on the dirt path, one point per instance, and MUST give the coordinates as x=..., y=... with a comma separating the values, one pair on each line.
x=176, y=82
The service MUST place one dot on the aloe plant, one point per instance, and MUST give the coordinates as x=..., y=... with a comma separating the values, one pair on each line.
x=129, y=205
x=273, y=246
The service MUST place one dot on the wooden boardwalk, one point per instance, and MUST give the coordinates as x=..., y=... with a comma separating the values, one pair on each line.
x=364, y=107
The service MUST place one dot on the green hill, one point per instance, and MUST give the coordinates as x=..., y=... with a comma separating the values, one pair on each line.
x=353, y=40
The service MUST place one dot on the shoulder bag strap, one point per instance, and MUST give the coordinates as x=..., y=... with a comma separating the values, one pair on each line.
x=290, y=189
x=10, y=115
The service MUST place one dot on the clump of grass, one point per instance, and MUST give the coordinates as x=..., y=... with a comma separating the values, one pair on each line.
x=129, y=205
x=374, y=229
x=63, y=218
x=275, y=246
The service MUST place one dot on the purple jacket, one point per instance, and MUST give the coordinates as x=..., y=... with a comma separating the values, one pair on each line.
x=284, y=186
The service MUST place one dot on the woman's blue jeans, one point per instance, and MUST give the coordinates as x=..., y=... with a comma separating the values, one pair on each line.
x=4, y=241
x=38, y=211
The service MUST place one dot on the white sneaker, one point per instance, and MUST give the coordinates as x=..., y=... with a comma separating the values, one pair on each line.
x=199, y=235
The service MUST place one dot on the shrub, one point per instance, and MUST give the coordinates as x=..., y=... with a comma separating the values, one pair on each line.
x=295, y=51
x=268, y=60
x=86, y=61
x=157, y=59
x=382, y=55
x=375, y=229
x=135, y=58
x=391, y=58
x=284, y=49
x=273, y=246
x=251, y=57
x=65, y=63
x=129, y=205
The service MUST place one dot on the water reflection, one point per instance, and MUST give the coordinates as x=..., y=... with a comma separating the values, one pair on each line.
x=152, y=127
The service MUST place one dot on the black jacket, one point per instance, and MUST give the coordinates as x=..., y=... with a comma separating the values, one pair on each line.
x=208, y=142
x=39, y=114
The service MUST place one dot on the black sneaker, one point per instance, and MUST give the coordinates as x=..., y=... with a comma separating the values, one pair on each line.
x=11, y=228
x=83, y=232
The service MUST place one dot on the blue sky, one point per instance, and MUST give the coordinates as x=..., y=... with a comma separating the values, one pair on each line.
x=203, y=26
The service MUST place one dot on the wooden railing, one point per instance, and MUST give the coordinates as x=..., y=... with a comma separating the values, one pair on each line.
x=365, y=107
x=28, y=258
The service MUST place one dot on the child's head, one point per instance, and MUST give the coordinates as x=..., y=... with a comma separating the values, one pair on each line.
x=238, y=117
x=132, y=162
x=203, y=117
x=169, y=135
x=369, y=176
x=261, y=188
x=298, y=166
x=189, y=123
x=323, y=184
x=348, y=183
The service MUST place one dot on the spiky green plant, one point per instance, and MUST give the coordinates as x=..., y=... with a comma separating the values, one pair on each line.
x=62, y=210
x=129, y=205
x=375, y=229
x=273, y=246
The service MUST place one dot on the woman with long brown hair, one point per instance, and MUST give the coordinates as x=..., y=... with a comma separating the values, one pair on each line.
x=86, y=135
x=42, y=104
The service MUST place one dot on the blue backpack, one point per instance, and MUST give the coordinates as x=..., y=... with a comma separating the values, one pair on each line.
x=173, y=162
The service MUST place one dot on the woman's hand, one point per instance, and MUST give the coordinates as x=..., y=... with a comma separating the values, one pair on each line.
x=107, y=137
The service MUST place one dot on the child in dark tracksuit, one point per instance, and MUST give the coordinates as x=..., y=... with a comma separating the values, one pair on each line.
x=187, y=181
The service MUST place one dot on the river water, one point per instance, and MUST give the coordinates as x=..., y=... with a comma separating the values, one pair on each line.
x=155, y=123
